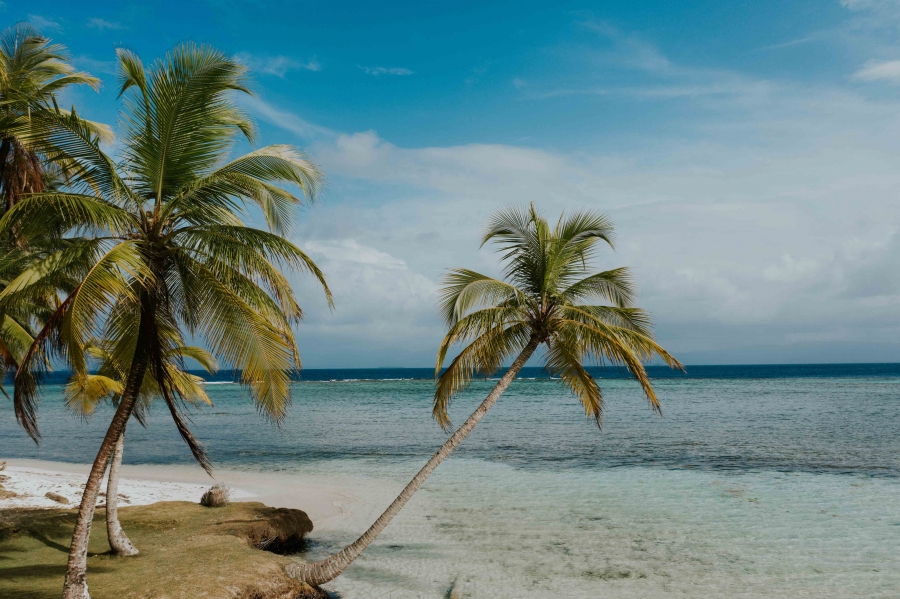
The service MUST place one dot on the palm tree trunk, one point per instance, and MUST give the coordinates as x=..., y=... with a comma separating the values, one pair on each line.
x=75, y=586
x=329, y=568
x=118, y=540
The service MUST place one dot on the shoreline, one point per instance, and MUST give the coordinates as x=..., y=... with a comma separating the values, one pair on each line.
x=146, y=484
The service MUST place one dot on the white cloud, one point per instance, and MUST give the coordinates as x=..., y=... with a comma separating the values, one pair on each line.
x=384, y=312
x=348, y=250
x=629, y=49
x=376, y=71
x=455, y=169
x=791, y=269
x=43, y=23
x=278, y=66
x=283, y=118
x=888, y=70
x=103, y=24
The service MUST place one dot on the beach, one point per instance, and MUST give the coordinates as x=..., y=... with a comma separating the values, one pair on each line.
x=31, y=480
x=493, y=531
x=458, y=301
x=747, y=487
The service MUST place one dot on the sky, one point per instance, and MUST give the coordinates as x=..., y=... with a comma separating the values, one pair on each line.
x=746, y=151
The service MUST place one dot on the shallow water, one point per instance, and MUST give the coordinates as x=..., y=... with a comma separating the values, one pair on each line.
x=746, y=487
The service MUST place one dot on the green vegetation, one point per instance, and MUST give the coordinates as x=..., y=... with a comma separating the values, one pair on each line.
x=33, y=135
x=32, y=142
x=145, y=248
x=545, y=299
x=187, y=551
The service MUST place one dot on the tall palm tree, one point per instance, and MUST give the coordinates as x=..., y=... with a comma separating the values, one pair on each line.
x=159, y=250
x=32, y=72
x=85, y=391
x=547, y=280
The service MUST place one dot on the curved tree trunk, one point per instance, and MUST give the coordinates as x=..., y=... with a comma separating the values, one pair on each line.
x=75, y=586
x=118, y=540
x=330, y=567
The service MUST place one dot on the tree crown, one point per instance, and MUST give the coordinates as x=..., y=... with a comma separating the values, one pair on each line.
x=549, y=293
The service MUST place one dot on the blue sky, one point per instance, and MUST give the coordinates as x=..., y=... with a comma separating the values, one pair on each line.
x=748, y=152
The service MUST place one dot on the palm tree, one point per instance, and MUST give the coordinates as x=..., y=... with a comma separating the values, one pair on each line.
x=86, y=390
x=159, y=250
x=32, y=72
x=547, y=279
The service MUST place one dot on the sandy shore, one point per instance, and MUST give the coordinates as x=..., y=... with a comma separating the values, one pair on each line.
x=31, y=480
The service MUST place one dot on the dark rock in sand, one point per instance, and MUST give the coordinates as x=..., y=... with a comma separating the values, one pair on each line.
x=283, y=533
x=216, y=496
x=56, y=497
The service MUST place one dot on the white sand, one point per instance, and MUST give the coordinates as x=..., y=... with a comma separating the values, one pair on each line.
x=32, y=484
x=31, y=480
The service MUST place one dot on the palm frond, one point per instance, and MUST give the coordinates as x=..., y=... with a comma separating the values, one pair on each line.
x=237, y=333
x=65, y=212
x=563, y=360
x=464, y=290
x=614, y=286
x=251, y=177
x=484, y=355
x=85, y=391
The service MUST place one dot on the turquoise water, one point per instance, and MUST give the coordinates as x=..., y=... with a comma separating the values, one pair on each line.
x=783, y=484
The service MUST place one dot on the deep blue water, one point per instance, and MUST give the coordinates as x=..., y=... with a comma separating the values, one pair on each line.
x=787, y=418
x=733, y=371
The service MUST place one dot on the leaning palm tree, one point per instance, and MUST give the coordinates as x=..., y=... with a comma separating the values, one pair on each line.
x=541, y=301
x=159, y=250
x=32, y=72
x=86, y=390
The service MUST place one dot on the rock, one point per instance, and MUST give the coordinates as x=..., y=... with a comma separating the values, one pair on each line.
x=56, y=497
x=217, y=496
x=283, y=532
x=2, y=466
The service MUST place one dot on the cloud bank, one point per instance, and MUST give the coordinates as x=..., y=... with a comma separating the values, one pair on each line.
x=766, y=228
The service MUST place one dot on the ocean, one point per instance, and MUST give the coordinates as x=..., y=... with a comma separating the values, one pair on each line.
x=756, y=481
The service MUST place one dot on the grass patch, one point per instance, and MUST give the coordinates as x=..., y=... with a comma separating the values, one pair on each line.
x=187, y=551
